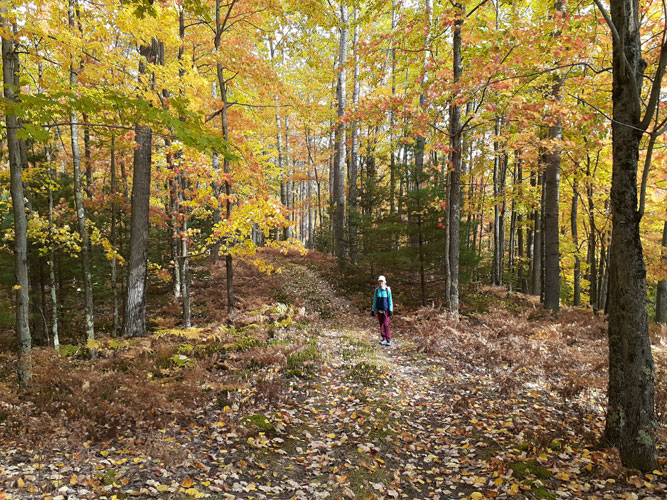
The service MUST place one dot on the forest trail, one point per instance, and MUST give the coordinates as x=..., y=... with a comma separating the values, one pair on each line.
x=434, y=416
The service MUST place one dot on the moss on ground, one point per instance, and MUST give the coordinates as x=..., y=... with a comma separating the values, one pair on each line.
x=302, y=363
x=523, y=469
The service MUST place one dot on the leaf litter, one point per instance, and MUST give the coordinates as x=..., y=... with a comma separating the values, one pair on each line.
x=298, y=401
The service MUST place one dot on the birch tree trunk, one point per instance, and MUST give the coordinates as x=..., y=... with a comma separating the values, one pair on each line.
x=340, y=156
x=354, y=152
x=10, y=74
x=455, y=173
x=52, y=262
x=78, y=195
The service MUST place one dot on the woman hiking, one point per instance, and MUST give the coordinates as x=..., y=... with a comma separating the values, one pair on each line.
x=384, y=306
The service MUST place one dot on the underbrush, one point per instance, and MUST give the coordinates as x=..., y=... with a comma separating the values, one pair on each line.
x=513, y=339
x=150, y=383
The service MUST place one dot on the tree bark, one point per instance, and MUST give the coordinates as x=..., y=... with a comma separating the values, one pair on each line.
x=630, y=417
x=10, y=74
x=135, y=303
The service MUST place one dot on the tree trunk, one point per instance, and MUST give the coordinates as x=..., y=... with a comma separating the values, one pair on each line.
x=511, y=261
x=229, y=260
x=536, y=267
x=592, y=242
x=78, y=197
x=575, y=239
x=455, y=173
x=52, y=259
x=114, y=240
x=661, y=293
x=354, y=152
x=220, y=25
x=499, y=171
x=185, y=260
x=10, y=73
x=135, y=303
x=339, y=166
x=215, y=166
x=630, y=415
x=551, y=193
x=392, y=114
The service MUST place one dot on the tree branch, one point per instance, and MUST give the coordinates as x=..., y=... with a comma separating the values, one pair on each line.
x=657, y=85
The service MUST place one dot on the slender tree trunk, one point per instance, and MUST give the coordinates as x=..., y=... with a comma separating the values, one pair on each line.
x=661, y=293
x=10, y=73
x=455, y=173
x=220, y=25
x=551, y=189
x=78, y=196
x=511, y=263
x=114, y=240
x=52, y=260
x=185, y=261
x=392, y=114
x=496, y=269
x=339, y=168
x=575, y=239
x=603, y=287
x=536, y=287
x=229, y=260
x=215, y=165
x=592, y=242
x=354, y=152
x=135, y=303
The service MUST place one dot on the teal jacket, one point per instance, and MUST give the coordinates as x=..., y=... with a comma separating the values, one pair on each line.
x=382, y=300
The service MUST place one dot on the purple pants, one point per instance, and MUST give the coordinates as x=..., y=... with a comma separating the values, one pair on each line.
x=383, y=318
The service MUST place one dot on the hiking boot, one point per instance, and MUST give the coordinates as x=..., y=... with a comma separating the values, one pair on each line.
x=384, y=342
x=387, y=343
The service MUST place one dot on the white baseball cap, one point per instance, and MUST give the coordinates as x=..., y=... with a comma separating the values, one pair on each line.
x=382, y=278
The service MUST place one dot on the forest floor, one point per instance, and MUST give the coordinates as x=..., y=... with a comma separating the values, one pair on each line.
x=298, y=400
